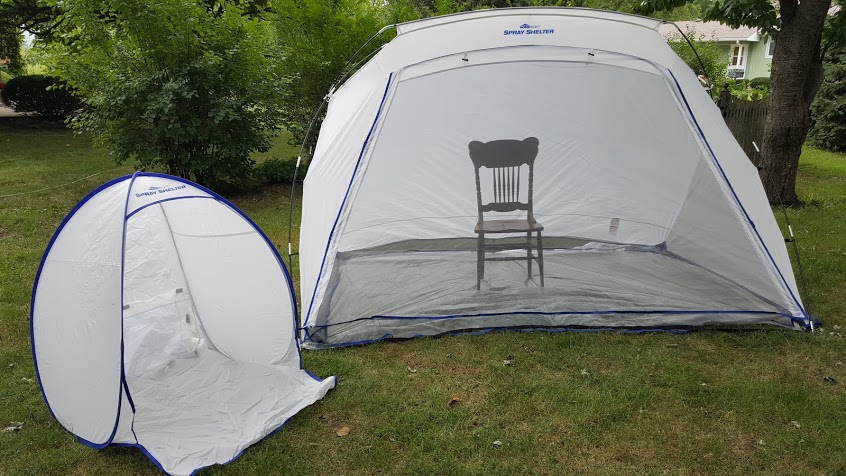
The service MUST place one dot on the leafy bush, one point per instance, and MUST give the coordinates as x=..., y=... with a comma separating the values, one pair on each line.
x=744, y=88
x=713, y=57
x=276, y=170
x=763, y=81
x=829, y=108
x=193, y=91
x=45, y=96
x=715, y=61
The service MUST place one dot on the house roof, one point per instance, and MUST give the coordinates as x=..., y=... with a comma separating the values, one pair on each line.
x=710, y=30
x=716, y=31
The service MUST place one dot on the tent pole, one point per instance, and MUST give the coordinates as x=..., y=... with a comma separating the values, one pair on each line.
x=343, y=75
x=696, y=53
x=792, y=239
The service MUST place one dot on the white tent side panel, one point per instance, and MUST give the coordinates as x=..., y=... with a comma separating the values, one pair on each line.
x=159, y=315
x=349, y=119
x=240, y=316
x=76, y=326
x=745, y=185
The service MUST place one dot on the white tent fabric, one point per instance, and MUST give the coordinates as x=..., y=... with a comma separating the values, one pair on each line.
x=652, y=214
x=163, y=318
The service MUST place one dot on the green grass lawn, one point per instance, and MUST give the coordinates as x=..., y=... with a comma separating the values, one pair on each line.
x=704, y=403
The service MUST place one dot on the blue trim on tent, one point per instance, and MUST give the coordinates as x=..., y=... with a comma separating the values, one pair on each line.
x=124, y=386
x=544, y=328
x=35, y=289
x=166, y=200
x=143, y=450
x=478, y=332
x=348, y=344
x=806, y=323
x=347, y=194
x=568, y=313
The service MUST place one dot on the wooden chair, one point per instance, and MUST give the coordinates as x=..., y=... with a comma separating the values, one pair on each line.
x=505, y=158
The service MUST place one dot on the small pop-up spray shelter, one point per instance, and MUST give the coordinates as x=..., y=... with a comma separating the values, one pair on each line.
x=163, y=318
x=643, y=211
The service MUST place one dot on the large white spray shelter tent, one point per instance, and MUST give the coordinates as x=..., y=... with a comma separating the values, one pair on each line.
x=163, y=318
x=533, y=168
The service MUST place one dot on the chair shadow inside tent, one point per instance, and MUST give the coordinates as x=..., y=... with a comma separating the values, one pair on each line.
x=505, y=160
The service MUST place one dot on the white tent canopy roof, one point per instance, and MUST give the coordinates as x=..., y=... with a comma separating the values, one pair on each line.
x=163, y=318
x=652, y=215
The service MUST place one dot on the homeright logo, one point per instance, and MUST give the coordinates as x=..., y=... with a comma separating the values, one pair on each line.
x=159, y=190
x=526, y=29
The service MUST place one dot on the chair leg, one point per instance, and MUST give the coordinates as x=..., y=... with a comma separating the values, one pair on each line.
x=540, y=257
x=480, y=261
x=529, y=252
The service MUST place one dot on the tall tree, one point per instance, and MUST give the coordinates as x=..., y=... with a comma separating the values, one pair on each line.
x=829, y=109
x=18, y=16
x=803, y=34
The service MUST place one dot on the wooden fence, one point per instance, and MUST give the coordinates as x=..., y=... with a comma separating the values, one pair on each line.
x=746, y=120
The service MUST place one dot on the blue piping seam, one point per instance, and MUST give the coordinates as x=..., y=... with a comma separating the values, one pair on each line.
x=806, y=322
x=35, y=289
x=165, y=200
x=360, y=342
x=479, y=332
x=124, y=384
x=567, y=313
x=346, y=195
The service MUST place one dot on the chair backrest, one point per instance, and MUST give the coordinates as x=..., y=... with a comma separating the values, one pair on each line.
x=505, y=158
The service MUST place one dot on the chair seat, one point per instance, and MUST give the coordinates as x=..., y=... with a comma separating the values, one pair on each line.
x=507, y=226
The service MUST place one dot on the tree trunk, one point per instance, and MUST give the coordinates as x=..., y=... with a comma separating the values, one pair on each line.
x=796, y=77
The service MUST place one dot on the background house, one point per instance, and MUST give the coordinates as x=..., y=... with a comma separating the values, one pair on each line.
x=748, y=52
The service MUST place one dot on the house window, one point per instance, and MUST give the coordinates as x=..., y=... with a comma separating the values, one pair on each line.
x=770, y=47
x=737, y=65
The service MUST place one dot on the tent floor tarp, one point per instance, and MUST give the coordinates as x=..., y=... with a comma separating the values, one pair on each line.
x=594, y=285
x=209, y=408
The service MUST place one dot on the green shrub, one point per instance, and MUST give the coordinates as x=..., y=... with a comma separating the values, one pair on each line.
x=829, y=107
x=744, y=89
x=45, y=96
x=713, y=58
x=276, y=170
x=763, y=81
